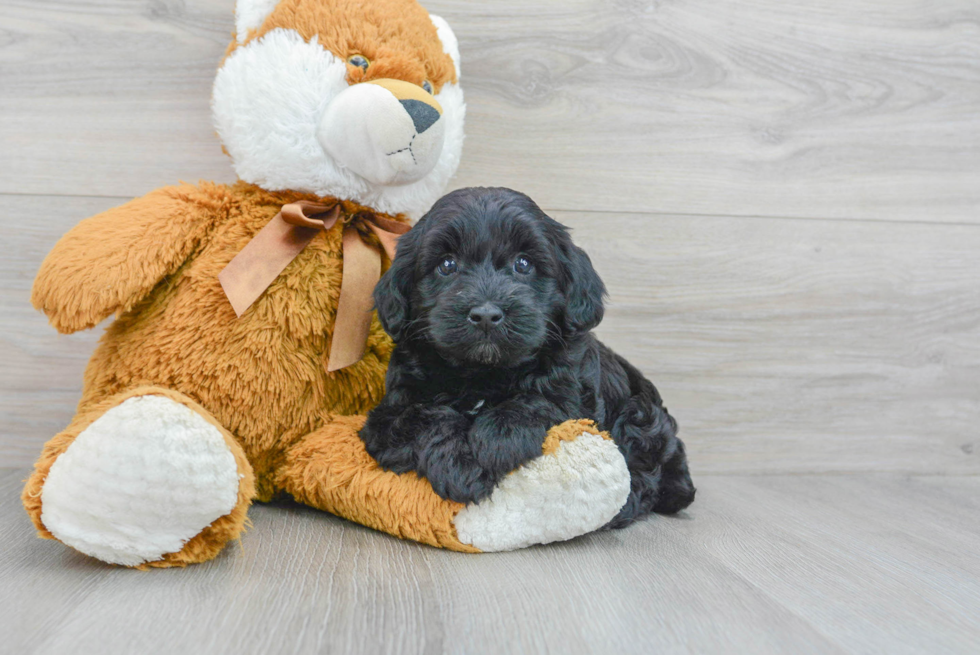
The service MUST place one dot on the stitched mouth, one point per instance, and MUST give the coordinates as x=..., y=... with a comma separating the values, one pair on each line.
x=408, y=148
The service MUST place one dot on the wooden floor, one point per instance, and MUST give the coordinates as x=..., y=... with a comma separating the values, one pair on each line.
x=784, y=200
x=766, y=564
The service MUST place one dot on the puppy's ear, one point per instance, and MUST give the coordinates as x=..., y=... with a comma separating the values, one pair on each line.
x=392, y=294
x=584, y=290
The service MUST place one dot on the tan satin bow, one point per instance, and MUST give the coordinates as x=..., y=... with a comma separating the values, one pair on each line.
x=263, y=258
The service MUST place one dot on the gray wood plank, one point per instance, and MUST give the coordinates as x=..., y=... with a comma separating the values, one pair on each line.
x=109, y=97
x=780, y=345
x=800, y=345
x=766, y=564
x=41, y=377
x=847, y=109
x=863, y=559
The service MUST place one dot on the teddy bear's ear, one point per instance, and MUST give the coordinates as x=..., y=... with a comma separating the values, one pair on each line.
x=250, y=14
x=449, y=43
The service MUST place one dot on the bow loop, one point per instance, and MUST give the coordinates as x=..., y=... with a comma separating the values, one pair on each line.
x=263, y=258
x=310, y=214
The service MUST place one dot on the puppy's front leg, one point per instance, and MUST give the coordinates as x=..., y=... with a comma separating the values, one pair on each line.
x=428, y=439
x=466, y=468
x=396, y=429
x=446, y=460
x=509, y=434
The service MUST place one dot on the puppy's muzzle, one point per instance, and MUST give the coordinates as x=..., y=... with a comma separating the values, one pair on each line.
x=389, y=132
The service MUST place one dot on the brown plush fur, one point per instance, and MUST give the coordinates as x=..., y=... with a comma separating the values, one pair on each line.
x=331, y=470
x=262, y=377
x=396, y=36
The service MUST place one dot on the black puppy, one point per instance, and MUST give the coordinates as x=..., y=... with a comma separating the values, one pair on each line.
x=490, y=305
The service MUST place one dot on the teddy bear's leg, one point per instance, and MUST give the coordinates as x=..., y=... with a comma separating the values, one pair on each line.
x=147, y=478
x=577, y=485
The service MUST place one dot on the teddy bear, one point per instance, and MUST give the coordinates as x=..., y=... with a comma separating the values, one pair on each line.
x=244, y=352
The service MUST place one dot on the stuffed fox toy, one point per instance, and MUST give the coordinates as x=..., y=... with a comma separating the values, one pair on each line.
x=225, y=377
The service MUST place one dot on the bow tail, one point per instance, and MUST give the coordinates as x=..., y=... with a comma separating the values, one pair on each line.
x=362, y=270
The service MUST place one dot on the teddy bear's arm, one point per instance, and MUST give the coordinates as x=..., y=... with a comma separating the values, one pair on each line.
x=109, y=262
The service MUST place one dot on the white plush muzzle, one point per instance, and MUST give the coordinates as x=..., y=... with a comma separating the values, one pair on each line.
x=386, y=140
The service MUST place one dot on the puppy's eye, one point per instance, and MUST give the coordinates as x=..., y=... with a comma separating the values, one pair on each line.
x=427, y=87
x=447, y=267
x=523, y=265
x=360, y=61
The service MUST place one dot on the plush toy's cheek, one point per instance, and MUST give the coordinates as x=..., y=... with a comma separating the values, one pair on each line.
x=388, y=132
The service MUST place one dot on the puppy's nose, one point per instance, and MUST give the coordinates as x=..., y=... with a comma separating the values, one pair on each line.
x=423, y=115
x=486, y=316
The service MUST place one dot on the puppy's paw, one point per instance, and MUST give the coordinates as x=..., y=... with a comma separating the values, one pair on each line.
x=446, y=460
x=502, y=442
x=453, y=473
x=576, y=486
x=461, y=486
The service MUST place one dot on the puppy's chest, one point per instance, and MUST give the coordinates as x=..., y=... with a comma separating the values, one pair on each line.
x=471, y=401
x=473, y=397
x=470, y=396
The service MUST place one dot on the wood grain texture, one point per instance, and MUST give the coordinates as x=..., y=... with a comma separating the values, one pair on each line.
x=41, y=375
x=780, y=345
x=800, y=345
x=769, y=564
x=845, y=109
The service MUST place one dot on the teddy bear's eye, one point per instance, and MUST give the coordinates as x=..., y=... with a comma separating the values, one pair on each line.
x=360, y=61
x=427, y=87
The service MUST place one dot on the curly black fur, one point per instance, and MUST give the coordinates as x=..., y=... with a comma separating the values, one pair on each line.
x=490, y=353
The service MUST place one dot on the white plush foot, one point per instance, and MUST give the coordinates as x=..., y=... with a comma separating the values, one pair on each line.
x=139, y=482
x=577, y=489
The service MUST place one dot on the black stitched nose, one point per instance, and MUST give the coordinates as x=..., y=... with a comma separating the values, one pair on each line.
x=423, y=115
x=486, y=316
